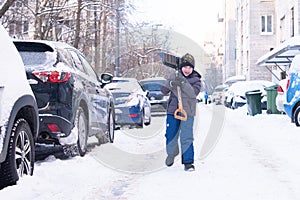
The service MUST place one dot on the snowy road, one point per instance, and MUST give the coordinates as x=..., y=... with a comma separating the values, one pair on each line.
x=253, y=157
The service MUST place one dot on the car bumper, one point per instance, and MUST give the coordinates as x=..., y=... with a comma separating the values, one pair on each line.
x=47, y=134
x=128, y=115
x=280, y=100
x=238, y=104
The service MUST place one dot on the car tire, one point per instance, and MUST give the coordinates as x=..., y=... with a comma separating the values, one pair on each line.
x=141, y=123
x=148, y=122
x=20, y=156
x=109, y=135
x=297, y=116
x=81, y=124
x=111, y=127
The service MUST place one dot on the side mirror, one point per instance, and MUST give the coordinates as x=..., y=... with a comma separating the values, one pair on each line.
x=106, y=78
x=146, y=93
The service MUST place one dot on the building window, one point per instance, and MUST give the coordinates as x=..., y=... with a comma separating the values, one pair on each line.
x=292, y=22
x=282, y=29
x=266, y=24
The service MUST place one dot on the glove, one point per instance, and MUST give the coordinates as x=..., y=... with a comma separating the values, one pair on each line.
x=178, y=81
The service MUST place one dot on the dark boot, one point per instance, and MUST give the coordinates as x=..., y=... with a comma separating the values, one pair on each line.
x=170, y=159
x=189, y=167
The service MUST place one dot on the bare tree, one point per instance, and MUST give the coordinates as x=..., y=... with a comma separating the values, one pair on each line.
x=92, y=26
x=5, y=6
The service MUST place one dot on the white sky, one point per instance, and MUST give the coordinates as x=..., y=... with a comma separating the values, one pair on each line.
x=195, y=19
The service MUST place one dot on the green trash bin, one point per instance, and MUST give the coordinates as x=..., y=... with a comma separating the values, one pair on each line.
x=271, y=99
x=254, y=102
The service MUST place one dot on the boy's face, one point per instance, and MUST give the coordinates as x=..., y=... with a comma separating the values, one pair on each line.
x=186, y=70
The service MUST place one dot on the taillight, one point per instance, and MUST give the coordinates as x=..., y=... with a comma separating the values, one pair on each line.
x=288, y=84
x=279, y=89
x=52, y=76
x=134, y=115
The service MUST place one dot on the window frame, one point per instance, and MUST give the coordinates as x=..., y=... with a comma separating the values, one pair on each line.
x=264, y=25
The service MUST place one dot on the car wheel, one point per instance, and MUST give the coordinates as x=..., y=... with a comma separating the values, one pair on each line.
x=141, y=123
x=297, y=116
x=109, y=135
x=148, y=122
x=81, y=124
x=111, y=128
x=20, y=156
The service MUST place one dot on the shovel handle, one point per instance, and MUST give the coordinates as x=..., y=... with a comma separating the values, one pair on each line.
x=180, y=113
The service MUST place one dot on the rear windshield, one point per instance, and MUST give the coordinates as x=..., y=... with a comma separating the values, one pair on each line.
x=37, y=58
x=119, y=94
x=36, y=54
x=120, y=97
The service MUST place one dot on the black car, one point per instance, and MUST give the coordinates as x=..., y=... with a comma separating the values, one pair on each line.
x=71, y=99
x=157, y=99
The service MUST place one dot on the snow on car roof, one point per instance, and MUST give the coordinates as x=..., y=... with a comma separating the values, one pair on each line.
x=153, y=79
x=123, y=79
x=234, y=79
x=124, y=87
x=244, y=86
x=295, y=64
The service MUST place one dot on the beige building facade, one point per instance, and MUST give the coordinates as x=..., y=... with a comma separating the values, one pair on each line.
x=256, y=35
x=260, y=26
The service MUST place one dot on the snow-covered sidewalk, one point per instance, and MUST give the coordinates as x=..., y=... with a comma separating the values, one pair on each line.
x=254, y=157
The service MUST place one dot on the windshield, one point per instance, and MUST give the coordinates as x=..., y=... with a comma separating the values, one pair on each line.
x=152, y=87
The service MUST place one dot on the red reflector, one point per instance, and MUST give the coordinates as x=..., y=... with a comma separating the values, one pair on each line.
x=279, y=89
x=54, y=128
x=133, y=115
x=288, y=84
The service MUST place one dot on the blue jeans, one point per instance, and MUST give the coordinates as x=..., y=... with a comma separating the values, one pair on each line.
x=183, y=129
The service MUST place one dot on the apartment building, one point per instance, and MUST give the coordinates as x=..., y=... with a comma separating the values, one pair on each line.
x=229, y=69
x=288, y=18
x=256, y=35
x=260, y=26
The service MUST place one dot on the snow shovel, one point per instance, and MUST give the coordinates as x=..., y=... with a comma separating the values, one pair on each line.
x=180, y=112
x=174, y=62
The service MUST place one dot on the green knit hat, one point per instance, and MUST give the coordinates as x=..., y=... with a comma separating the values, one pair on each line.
x=187, y=60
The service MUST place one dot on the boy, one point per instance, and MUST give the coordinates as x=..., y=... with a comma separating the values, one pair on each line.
x=190, y=82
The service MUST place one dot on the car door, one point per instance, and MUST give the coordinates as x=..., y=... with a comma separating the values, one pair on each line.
x=99, y=97
x=85, y=89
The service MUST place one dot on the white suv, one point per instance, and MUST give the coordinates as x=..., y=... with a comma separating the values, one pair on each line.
x=18, y=116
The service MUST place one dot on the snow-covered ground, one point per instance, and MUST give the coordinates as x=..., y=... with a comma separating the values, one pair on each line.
x=237, y=157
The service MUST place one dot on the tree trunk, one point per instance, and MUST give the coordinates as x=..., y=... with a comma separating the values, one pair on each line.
x=6, y=6
x=78, y=20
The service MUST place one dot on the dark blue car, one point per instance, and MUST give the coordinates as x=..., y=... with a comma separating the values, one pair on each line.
x=132, y=107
